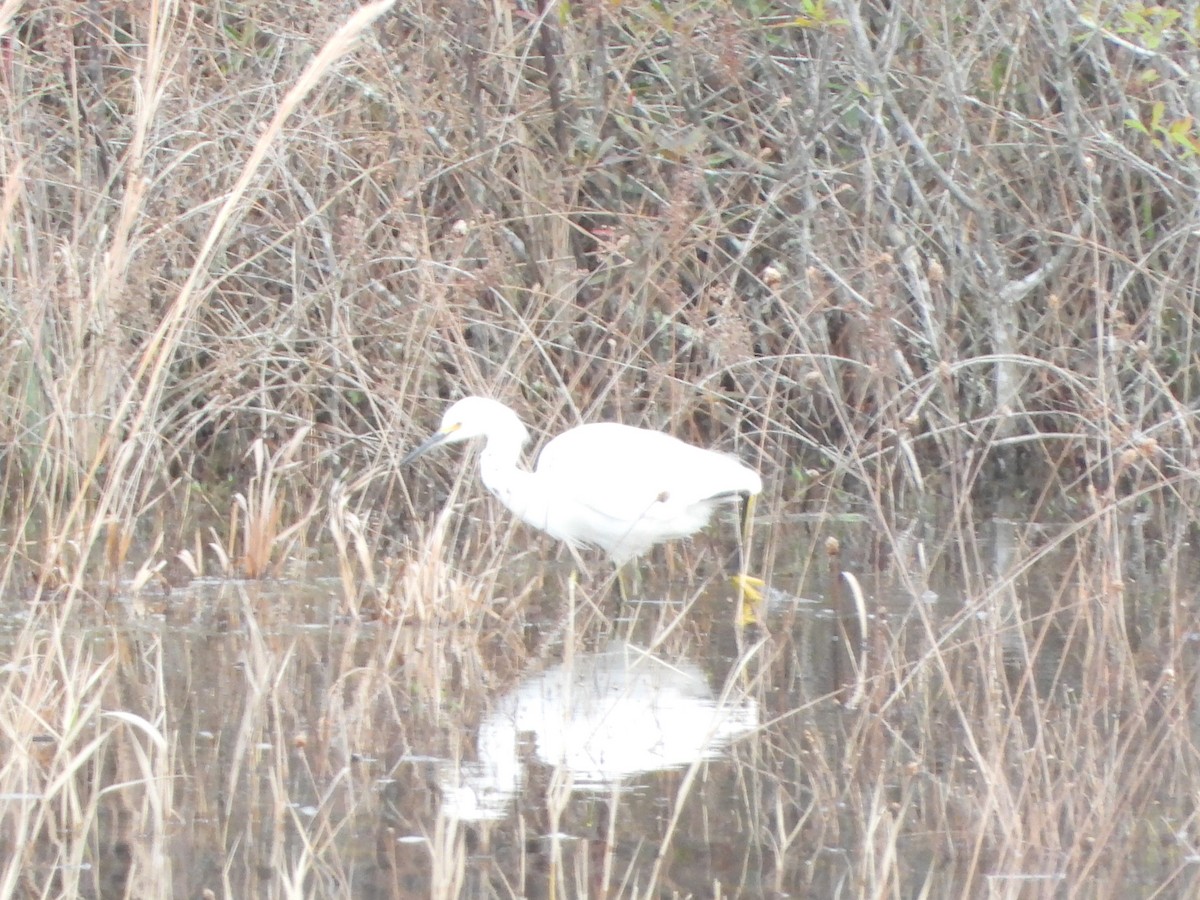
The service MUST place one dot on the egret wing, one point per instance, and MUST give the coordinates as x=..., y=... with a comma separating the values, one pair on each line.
x=627, y=473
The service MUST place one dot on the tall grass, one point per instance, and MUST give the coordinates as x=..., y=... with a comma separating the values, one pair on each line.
x=930, y=269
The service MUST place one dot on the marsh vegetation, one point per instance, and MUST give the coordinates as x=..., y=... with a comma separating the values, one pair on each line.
x=930, y=268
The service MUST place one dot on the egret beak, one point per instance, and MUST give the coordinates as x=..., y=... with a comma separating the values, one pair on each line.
x=432, y=441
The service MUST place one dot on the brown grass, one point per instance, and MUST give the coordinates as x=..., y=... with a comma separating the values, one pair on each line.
x=931, y=269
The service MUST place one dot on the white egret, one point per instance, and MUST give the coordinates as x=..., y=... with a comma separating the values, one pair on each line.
x=619, y=488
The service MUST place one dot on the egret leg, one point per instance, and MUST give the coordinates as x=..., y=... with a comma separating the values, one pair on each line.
x=749, y=588
x=623, y=586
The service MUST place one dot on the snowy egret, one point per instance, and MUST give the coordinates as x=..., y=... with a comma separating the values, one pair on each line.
x=619, y=488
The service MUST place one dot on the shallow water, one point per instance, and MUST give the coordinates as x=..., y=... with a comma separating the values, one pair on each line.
x=264, y=739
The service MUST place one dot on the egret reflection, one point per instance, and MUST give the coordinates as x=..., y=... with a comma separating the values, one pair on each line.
x=603, y=717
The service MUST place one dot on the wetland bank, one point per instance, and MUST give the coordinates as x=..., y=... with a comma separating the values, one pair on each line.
x=930, y=270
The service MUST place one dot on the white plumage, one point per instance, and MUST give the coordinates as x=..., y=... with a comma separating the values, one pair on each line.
x=612, y=486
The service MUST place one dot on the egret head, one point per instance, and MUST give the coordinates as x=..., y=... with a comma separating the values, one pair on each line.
x=473, y=417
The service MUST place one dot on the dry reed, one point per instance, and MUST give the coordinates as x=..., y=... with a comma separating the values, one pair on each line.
x=930, y=269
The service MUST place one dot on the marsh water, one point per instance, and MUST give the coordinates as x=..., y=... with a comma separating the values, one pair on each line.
x=548, y=741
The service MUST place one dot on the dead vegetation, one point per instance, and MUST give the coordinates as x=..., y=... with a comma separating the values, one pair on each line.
x=931, y=268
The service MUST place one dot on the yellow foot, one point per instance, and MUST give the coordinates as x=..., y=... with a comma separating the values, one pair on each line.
x=750, y=598
x=749, y=587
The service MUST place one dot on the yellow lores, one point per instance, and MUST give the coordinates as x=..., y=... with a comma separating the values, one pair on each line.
x=616, y=487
